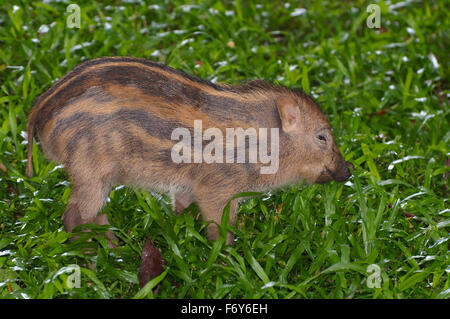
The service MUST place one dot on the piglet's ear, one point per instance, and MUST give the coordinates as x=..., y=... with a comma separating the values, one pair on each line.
x=289, y=113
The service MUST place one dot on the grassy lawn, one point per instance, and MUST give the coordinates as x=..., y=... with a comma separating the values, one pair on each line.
x=385, y=92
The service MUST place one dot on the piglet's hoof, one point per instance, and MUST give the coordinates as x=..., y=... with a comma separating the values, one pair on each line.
x=151, y=263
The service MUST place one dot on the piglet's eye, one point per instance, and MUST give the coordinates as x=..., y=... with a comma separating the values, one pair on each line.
x=322, y=138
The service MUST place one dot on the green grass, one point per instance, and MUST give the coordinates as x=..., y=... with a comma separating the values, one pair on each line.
x=384, y=95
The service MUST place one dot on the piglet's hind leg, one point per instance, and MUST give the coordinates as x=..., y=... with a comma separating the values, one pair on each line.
x=85, y=202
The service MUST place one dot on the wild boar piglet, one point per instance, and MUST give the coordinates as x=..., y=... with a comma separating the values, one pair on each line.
x=123, y=120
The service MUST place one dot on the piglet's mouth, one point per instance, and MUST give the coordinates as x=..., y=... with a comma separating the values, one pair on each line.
x=341, y=174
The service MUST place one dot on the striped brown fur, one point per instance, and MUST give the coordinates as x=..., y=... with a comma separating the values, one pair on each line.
x=109, y=121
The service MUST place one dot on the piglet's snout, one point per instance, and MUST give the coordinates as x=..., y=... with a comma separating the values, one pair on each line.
x=344, y=172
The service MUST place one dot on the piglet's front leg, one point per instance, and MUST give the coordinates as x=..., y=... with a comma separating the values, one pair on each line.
x=211, y=209
x=181, y=201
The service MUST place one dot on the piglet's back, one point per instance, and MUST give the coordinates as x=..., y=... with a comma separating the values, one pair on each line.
x=108, y=104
